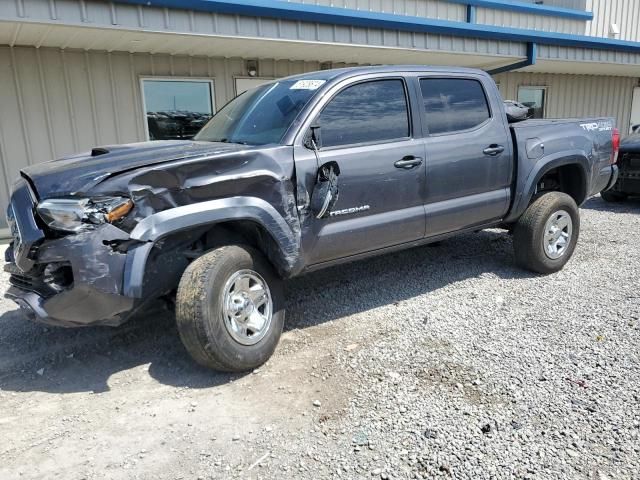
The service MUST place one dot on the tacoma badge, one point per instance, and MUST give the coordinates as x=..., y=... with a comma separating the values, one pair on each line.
x=347, y=211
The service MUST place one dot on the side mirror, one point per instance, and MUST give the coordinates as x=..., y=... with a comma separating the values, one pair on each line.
x=313, y=140
x=325, y=191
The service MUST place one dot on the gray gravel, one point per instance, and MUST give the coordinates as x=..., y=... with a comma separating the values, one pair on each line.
x=439, y=361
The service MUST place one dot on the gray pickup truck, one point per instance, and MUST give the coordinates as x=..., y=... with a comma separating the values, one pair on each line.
x=292, y=176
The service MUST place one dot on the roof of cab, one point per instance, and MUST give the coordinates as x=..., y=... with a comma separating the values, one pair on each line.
x=340, y=73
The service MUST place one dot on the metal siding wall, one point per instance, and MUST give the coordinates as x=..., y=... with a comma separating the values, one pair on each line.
x=57, y=102
x=552, y=52
x=624, y=13
x=506, y=18
x=576, y=95
x=440, y=9
x=575, y=4
x=103, y=13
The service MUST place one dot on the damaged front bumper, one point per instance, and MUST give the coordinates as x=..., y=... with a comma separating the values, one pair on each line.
x=75, y=281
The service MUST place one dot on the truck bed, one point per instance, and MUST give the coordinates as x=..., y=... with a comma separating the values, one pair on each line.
x=541, y=142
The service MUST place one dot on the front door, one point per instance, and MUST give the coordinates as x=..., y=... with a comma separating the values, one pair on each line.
x=366, y=129
x=469, y=155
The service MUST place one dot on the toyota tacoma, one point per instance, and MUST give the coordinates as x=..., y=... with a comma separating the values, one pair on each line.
x=292, y=176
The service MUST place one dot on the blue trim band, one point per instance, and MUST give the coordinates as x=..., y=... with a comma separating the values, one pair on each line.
x=532, y=56
x=532, y=8
x=365, y=19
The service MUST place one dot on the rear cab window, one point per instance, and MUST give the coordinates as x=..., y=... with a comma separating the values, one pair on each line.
x=373, y=111
x=453, y=104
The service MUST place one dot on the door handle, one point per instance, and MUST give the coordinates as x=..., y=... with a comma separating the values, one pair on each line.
x=493, y=150
x=408, y=162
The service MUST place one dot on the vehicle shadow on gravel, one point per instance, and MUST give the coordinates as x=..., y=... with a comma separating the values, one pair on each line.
x=34, y=357
x=631, y=205
x=361, y=286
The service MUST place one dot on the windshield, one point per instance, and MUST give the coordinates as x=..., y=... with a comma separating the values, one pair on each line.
x=261, y=115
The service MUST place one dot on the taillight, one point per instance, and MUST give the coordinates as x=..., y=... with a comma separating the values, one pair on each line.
x=615, y=144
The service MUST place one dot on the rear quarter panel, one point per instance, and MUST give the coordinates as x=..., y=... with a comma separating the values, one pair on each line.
x=542, y=145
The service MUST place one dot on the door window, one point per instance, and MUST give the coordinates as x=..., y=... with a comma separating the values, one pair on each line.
x=176, y=109
x=534, y=98
x=453, y=104
x=367, y=112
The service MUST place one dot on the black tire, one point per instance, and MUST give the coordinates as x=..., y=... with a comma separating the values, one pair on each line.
x=199, y=310
x=613, y=197
x=528, y=234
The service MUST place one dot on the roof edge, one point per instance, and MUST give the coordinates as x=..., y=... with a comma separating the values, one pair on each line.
x=362, y=18
x=532, y=8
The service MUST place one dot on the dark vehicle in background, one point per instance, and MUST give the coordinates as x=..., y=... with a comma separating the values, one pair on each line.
x=290, y=177
x=628, y=183
x=175, y=125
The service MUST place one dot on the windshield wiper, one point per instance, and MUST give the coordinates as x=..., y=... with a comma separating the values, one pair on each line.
x=226, y=140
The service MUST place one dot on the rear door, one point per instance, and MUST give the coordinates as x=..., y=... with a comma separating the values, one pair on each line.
x=468, y=151
x=367, y=129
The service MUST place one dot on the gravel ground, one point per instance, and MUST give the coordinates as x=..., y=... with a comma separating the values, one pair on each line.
x=441, y=361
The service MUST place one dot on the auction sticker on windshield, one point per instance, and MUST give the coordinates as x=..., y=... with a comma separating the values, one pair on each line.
x=307, y=84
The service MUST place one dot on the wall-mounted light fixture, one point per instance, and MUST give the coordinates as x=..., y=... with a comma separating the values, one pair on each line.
x=252, y=68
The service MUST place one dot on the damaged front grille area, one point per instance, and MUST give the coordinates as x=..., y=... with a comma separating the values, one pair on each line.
x=44, y=280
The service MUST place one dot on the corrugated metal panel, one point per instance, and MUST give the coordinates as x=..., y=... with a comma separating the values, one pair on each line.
x=505, y=18
x=576, y=95
x=624, y=13
x=574, y=4
x=552, y=52
x=132, y=17
x=417, y=8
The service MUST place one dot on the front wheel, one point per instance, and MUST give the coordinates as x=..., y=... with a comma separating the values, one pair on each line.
x=230, y=309
x=545, y=237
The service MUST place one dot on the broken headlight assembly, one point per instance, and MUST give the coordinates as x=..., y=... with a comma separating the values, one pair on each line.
x=75, y=215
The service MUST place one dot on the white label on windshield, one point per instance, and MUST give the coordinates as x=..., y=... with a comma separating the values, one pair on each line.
x=307, y=84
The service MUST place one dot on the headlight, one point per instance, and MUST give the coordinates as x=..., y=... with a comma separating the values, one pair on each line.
x=78, y=214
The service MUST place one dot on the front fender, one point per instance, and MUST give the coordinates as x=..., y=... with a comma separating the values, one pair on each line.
x=187, y=217
x=525, y=189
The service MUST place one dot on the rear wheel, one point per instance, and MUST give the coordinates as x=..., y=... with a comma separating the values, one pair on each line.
x=230, y=309
x=613, y=197
x=545, y=237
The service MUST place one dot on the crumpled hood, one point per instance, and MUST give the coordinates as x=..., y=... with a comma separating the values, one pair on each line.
x=81, y=172
x=631, y=144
